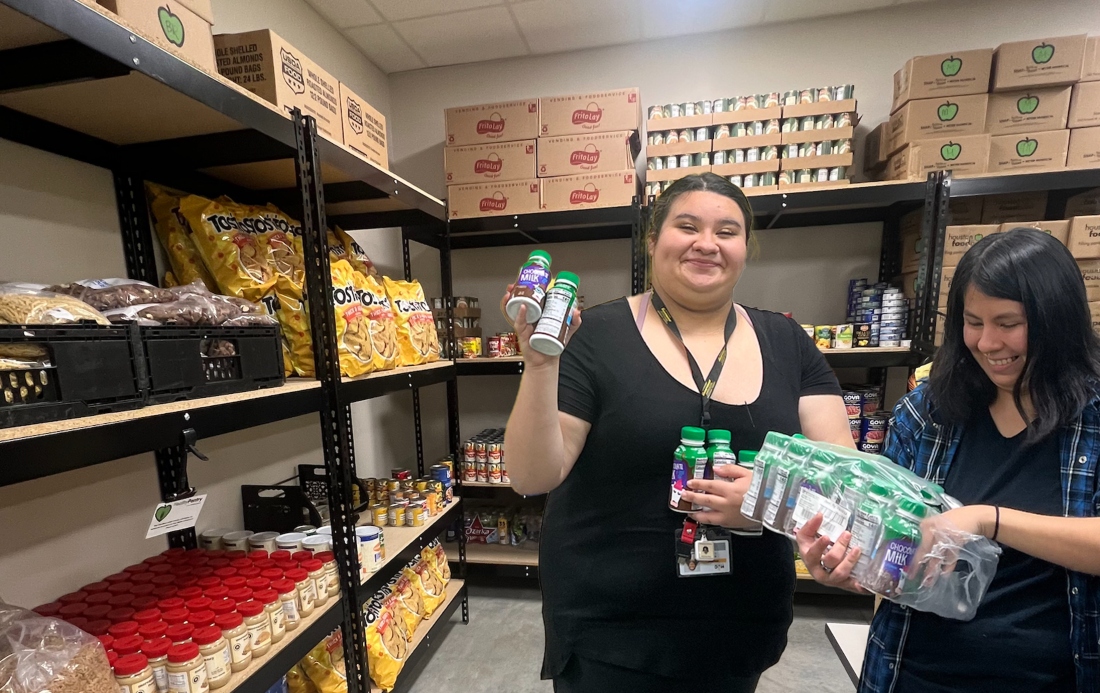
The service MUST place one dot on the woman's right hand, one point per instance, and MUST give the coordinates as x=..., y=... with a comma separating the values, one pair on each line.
x=829, y=563
x=524, y=330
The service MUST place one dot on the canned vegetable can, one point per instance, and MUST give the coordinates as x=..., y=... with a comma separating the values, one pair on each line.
x=718, y=158
x=718, y=106
x=790, y=98
x=757, y=127
x=749, y=180
x=771, y=127
x=722, y=132
x=738, y=156
x=703, y=107
x=842, y=120
x=806, y=96
x=822, y=122
x=790, y=151
x=672, y=162
x=789, y=125
x=739, y=130
x=772, y=99
x=767, y=178
x=821, y=175
x=685, y=160
x=688, y=109
x=656, y=112
x=687, y=135
x=653, y=164
x=736, y=180
x=805, y=175
x=842, y=146
x=844, y=91
x=806, y=123
x=824, y=93
x=838, y=173
x=769, y=152
x=674, y=110
x=702, y=134
x=752, y=154
x=740, y=104
x=701, y=159
x=806, y=149
x=657, y=138
x=788, y=177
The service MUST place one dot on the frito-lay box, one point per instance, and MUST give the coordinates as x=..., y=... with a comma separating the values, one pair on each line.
x=1001, y=209
x=602, y=111
x=591, y=152
x=1033, y=151
x=959, y=239
x=946, y=74
x=182, y=28
x=589, y=190
x=963, y=155
x=1090, y=275
x=924, y=118
x=493, y=199
x=492, y=122
x=1031, y=110
x=1084, y=148
x=364, y=127
x=1057, y=229
x=269, y=67
x=1039, y=62
x=481, y=163
x=1084, y=109
x=1084, y=237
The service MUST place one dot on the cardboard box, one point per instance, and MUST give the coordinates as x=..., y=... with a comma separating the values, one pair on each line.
x=910, y=248
x=1034, y=151
x=592, y=152
x=1094, y=314
x=494, y=199
x=909, y=284
x=958, y=239
x=967, y=210
x=946, y=74
x=926, y=118
x=1057, y=229
x=509, y=121
x=1039, y=62
x=1084, y=109
x=874, y=148
x=1084, y=237
x=589, y=191
x=1090, y=275
x=1090, y=71
x=964, y=155
x=480, y=163
x=174, y=26
x=1083, y=204
x=603, y=111
x=1000, y=209
x=364, y=127
x=269, y=67
x=947, y=274
x=1084, y=147
x=1032, y=110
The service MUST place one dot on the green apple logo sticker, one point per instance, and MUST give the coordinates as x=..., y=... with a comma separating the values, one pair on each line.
x=171, y=25
x=162, y=512
x=951, y=66
x=950, y=151
x=948, y=111
x=1042, y=53
x=1026, y=146
x=1027, y=104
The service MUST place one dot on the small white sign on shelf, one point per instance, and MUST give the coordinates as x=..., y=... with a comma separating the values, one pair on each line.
x=172, y=517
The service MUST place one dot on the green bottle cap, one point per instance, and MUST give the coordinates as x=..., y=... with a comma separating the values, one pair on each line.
x=539, y=255
x=693, y=435
x=912, y=507
x=747, y=457
x=799, y=436
x=877, y=490
x=568, y=278
x=719, y=436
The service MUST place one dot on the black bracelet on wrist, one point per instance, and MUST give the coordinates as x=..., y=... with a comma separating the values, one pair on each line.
x=996, y=523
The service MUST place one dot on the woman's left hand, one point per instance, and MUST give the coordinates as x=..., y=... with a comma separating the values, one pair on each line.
x=971, y=519
x=974, y=519
x=722, y=497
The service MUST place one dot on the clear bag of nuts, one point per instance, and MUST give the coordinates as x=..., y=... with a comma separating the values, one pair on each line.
x=40, y=655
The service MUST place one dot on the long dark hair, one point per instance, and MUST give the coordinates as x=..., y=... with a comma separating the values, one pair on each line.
x=709, y=182
x=1062, y=367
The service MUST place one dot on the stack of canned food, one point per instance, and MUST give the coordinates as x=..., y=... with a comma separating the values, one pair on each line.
x=701, y=134
x=496, y=346
x=753, y=101
x=660, y=163
x=866, y=419
x=402, y=501
x=813, y=175
x=880, y=313
x=483, y=458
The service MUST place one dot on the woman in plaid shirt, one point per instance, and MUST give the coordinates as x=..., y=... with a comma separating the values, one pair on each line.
x=1009, y=424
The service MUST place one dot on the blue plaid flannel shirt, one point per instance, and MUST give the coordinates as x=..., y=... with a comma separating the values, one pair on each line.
x=927, y=448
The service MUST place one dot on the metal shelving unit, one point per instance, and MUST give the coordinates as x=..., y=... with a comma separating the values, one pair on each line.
x=80, y=83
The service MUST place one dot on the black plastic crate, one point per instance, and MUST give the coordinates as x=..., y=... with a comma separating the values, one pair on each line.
x=94, y=369
x=187, y=363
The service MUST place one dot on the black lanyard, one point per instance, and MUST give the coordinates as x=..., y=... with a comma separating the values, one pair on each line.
x=706, y=387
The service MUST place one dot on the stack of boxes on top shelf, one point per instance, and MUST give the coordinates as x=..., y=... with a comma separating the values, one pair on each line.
x=763, y=142
x=549, y=154
x=993, y=111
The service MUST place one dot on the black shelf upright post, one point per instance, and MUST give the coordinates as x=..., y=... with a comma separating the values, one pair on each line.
x=406, y=258
x=933, y=233
x=639, y=248
x=336, y=429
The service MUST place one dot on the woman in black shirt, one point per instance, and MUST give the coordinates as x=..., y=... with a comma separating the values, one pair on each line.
x=597, y=430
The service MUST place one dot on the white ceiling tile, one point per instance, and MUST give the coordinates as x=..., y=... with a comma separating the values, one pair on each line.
x=552, y=26
x=793, y=10
x=347, y=13
x=661, y=18
x=464, y=37
x=385, y=48
x=396, y=10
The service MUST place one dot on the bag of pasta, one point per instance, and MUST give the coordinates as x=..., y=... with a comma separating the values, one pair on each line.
x=387, y=644
x=416, y=336
x=233, y=255
x=382, y=324
x=175, y=236
x=427, y=583
x=31, y=304
x=353, y=339
x=324, y=665
x=355, y=254
x=294, y=319
x=410, y=599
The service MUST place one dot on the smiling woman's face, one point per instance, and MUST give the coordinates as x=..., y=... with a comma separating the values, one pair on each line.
x=700, y=252
x=995, y=331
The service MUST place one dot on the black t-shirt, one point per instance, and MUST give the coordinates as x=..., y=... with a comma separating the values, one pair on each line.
x=607, y=559
x=1019, y=641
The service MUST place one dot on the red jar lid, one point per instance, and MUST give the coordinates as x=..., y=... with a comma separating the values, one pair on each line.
x=73, y=597
x=147, y=616
x=228, y=620
x=312, y=565
x=95, y=587
x=235, y=554
x=177, y=560
x=48, y=610
x=143, y=590
x=259, y=583
x=130, y=664
x=74, y=609
x=122, y=629
x=161, y=568
x=202, y=571
x=207, y=635
x=117, y=577
x=208, y=582
x=165, y=591
x=201, y=618
x=297, y=575
x=325, y=556
x=136, y=568
x=97, y=611
x=272, y=574
x=120, y=587
x=257, y=555
x=97, y=627
x=240, y=595
x=174, y=616
x=170, y=603
x=186, y=581
x=175, y=551
x=216, y=553
x=152, y=631
x=143, y=578
x=197, y=604
x=235, y=583
x=99, y=598
x=266, y=564
x=268, y=596
x=128, y=645
x=190, y=592
x=155, y=648
x=183, y=571
x=225, y=573
x=197, y=561
x=184, y=652
x=283, y=586
x=78, y=621
x=107, y=640
x=164, y=580
x=217, y=592
x=301, y=556
x=178, y=632
x=250, y=608
x=216, y=563
x=286, y=565
x=112, y=657
x=280, y=555
x=249, y=572
x=155, y=560
x=222, y=606
x=122, y=600
x=142, y=603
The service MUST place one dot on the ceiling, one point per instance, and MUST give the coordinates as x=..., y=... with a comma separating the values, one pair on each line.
x=399, y=35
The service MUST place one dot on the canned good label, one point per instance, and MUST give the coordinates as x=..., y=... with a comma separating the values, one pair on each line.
x=672, y=137
x=687, y=135
x=824, y=94
x=656, y=112
x=739, y=156
x=805, y=175
x=672, y=162
x=752, y=154
x=769, y=152
x=719, y=158
x=722, y=132
x=749, y=180
x=688, y=109
x=703, y=107
x=685, y=161
x=767, y=178
x=702, y=159
x=772, y=99
x=702, y=134
x=758, y=127
x=771, y=127
x=806, y=123
x=718, y=106
x=673, y=110
x=806, y=96
x=736, y=180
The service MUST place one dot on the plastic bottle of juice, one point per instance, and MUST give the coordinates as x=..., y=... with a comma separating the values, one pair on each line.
x=688, y=454
x=530, y=287
x=557, y=315
x=779, y=485
x=868, y=518
x=756, y=498
x=813, y=492
x=894, y=552
x=719, y=453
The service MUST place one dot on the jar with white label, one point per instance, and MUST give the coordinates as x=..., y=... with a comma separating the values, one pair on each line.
x=236, y=541
x=215, y=653
x=332, y=573
x=307, y=594
x=156, y=651
x=186, y=669
x=288, y=599
x=274, y=610
x=211, y=539
x=291, y=541
x=262, y=541
x=316, y=571
x=258, y=624
x=238, y=637
x=133, y=674
x=370, y=549
x=317, y=543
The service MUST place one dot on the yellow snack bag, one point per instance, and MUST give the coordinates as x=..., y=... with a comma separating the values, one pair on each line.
x=387, y=644
x=353, y=338
x=436, y=559
x=355, y=254
x=383, y=324
x=294, y=319
x=233, y=255
x=427, y=583
x=282, y=238
x=170, y=280
x=324, y=665
x=175, y=237
x=416, y=336
x=411, y=599
x=298, y=682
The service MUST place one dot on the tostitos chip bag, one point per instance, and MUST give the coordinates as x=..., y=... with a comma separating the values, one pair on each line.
x=416, y=336
x=282, y=238
x=234, y=256
x=387, y=644
x=175, y=237
x=411, y=599
x=294, y=319
x=436, y=559
x=355, y=253
x=383, y=324
x=324, y=665
x=298, y=682
x=427, y=583
x=353, y=338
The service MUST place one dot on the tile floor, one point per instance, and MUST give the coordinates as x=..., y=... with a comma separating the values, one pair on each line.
x=500, y=650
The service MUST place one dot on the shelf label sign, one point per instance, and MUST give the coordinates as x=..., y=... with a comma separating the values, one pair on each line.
x=175, y=516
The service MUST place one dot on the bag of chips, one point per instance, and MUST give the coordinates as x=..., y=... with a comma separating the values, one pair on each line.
x=355, y=254
x=282, y=237
x=416, y=336
x=175, y=237
x=427, y=583
x=353, y=338
x=294, y=319
x=298, y=682
x=436, y=559
x=383, y=324
x=387, y=641
x=234, y=256
x=324, y=665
